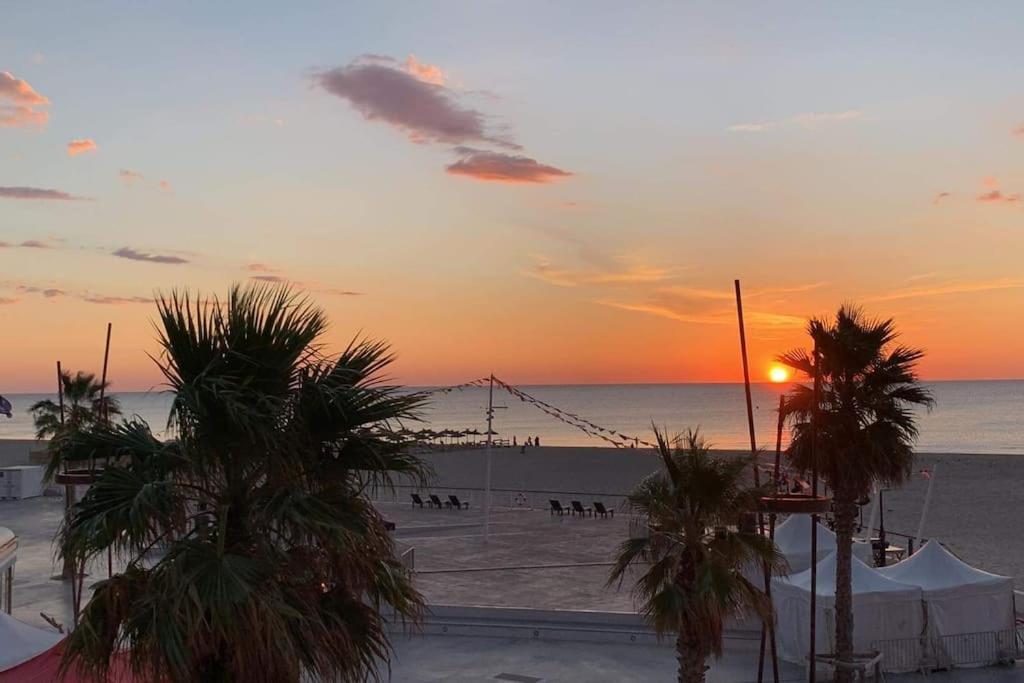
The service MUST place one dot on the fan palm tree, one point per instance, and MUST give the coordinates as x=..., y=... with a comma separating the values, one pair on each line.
x=693, y=557
x=251, y=549
x=866, y=426
x=82, y=405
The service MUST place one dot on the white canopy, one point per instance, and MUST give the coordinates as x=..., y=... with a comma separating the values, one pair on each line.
x=882, y=609
x=960, y=599
x=793, y=539
x=20, y=642
x=8, y=548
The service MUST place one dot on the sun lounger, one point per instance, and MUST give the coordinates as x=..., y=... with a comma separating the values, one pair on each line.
x=600, y=509
x=457, y=504
x=438, y=502
x=578, y=509
x=416, y=500
x=557, y=507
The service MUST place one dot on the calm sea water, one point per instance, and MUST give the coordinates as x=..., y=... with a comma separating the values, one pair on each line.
x=970, y=417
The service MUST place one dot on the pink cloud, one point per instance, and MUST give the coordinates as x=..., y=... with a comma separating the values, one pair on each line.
x=995, y=196
x=19, y=103
x=503, y=168
x=81, y=146
x=36, y=193
x=165, y=185
x=428, y=73
x=382, y=90
x=1018, y=131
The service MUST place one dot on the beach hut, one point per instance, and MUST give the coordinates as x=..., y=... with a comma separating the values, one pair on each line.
x=883, y=609
x=793, y=539
x=970, y=612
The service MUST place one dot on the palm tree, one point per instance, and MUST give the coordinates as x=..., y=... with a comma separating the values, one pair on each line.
x=251, y=549
x=82, y=405
x=866, y=427
x=693, y=557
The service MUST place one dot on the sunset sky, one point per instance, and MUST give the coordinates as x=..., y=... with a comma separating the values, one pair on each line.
x=558, y=192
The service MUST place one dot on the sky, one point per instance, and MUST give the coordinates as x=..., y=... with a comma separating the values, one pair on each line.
x=553, y=192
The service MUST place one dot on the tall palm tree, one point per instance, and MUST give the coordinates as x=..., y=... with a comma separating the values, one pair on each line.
x=82, y=405
x=693, y=556
x=866, y=426
x=251, y=549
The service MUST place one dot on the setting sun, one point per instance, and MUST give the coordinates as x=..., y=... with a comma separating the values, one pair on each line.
x=778, y=374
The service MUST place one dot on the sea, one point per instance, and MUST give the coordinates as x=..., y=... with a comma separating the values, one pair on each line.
x=983, y=417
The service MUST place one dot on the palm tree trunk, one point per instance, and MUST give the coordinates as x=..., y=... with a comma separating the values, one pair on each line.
x=691, y=655
x=844, y=508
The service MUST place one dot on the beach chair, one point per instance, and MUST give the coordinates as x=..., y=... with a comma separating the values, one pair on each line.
x=557, y=507
x=457, y=504
x=438, y=502
x=578, y=509
x=600, y=509
x=416, y=500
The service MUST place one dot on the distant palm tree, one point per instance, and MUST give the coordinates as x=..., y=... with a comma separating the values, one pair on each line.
x=693, y=556
x=82, y=405
x=252, y=551
x=866, y=427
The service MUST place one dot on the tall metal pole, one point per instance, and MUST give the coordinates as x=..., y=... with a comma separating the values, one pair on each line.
x=104, y=416
x=924, y=510
x=812, y=672
x=487, y=485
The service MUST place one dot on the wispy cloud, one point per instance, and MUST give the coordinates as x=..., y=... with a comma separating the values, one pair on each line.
x=939, y=196
x=5, y=301
x=1018, y=131
x=308, y=286
x=617, y=274
x=259, y=268
x=37, y=193
x=428, y=73
x=149, y=257
x=381, y=89
x=115, y=300
x=804, y=120
x=502, y=168
x=54, y=293
x=81, y=146
x=951, y=288
x=129, y=176
x=997, y=197
x=717, y=316
x=20, y=103
x=30, y=244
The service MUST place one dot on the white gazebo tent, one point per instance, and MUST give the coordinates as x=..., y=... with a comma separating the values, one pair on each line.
x=883, y=609
x=8, y=557
x=962, y=603
x=20, y=642
x=793, y=539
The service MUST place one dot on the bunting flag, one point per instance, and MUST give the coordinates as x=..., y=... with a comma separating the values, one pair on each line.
x=6, y=408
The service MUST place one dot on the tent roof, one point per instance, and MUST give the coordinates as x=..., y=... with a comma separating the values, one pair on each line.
x=21, y=642
x=865, y=579
x=935, y=568
x=794, y=535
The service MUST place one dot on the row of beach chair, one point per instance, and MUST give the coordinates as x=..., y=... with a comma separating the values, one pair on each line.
x=575, y=507
x=434, y=501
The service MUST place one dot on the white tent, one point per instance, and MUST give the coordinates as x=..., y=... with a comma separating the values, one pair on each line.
x=883, y=609
x=960, y=600
x=20, y=642
x=793, y=539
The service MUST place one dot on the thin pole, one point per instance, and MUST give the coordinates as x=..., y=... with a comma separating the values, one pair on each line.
x=771, y=525
x=924, y=510
x=487, y=486
x=105, y=417
x=765, y=625
x=60, y=392
x=812, y=672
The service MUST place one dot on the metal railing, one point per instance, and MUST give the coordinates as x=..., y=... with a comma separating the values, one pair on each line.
x=946, y=652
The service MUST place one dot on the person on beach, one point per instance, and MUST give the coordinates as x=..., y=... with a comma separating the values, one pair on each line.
x=536, y=441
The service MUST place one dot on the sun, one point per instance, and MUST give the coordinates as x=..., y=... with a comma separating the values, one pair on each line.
x=778, y=374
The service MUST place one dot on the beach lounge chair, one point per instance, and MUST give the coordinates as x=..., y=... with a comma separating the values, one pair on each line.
x=600, y=509
x=416, y=500
x=557, y=507
x=578, y=509
x=437, y=501
x=457, y=504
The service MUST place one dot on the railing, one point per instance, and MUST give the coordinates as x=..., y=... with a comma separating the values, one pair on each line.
x=945, y=652
x=501, y=497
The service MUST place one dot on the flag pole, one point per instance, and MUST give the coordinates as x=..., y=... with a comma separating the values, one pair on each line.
x=487, y=485
x=924, y=510
x=813, y=670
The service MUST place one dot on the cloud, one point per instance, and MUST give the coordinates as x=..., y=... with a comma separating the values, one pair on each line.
x=804, y=120
x=717, y=316
x=1018, y=131
x=19, y=103
x=37, y=193
x=136, y=255
x=129, y=176
x=939, y=196
x=4, y=301
x=502, y=168
x=165, y=185
x=952, y=288
x=995, y=197
x=81, y=146
x=308, y=286
x=269, y=278
x=428, y=73
x=50, y=292
x=36, y=244
x=617, y=274
x=259, y=268
x=115, y=300
x=381, y=90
